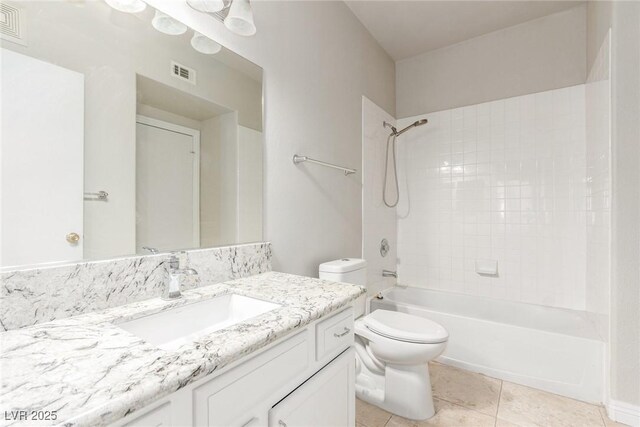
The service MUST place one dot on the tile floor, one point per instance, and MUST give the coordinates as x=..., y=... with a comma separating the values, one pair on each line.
x=464, y=398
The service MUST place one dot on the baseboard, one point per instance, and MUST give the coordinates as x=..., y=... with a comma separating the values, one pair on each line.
x=624, y=413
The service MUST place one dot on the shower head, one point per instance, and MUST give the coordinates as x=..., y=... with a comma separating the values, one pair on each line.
x=412, y=125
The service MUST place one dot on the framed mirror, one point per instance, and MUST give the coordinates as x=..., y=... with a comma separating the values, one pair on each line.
x=123, y=133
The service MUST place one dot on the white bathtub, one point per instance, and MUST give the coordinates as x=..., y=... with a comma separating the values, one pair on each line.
x=548, y=348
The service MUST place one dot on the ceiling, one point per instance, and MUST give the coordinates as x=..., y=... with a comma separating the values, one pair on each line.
x=408, y=28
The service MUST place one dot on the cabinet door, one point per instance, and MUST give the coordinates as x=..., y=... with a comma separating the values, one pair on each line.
x=327, y=399
x=243, y=396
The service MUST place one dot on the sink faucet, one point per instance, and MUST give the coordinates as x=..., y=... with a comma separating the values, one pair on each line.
x=176, y=274
x=388, y=273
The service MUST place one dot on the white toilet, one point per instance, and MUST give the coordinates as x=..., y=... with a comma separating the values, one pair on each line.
x=392, y=350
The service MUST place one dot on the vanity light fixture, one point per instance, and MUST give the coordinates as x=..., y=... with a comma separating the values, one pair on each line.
x=240, y=18
x=167, y=25
x=204, y=44
x=207, y=6
x=127, y=6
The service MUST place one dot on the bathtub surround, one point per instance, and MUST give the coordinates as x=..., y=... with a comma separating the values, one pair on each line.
x=378, y=221
x=107, y=373
x=611, y=286
x=33, y=296
x=501, y=181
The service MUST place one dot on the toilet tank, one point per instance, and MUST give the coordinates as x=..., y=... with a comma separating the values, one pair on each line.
x=347, y=270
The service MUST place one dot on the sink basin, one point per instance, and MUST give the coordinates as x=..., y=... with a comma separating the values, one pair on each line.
x=172, y=328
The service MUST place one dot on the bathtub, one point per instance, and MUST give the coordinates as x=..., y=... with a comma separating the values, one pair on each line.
x=548, y=348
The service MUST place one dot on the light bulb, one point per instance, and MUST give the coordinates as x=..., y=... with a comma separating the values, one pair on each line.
x=207, y=6
x=127, y=6
x=204, y=44
x=240, y=18
x=167, y=25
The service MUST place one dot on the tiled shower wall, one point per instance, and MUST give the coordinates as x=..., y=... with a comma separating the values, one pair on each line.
x=504, y=181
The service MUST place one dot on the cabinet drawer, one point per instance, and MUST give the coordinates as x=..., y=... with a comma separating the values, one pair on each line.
x=234, y=400
x=334, y=334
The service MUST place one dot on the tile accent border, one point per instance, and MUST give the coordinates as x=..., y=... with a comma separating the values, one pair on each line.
x=42, y=294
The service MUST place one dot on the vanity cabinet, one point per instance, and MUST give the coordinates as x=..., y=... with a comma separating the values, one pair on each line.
x=307, y=379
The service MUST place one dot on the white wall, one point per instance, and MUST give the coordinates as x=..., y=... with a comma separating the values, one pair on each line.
x=622, y=17
x=218, y=180
x=598, y=181
x=210, y=136
x=501, y=181
x=314, y=81
x=231, y=182
x=378, y=220
x=543, y=54
x=249, y=170
x=165, y=116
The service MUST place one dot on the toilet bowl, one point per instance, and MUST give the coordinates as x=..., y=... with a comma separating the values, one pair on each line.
x=392, y=351
x=392, y=354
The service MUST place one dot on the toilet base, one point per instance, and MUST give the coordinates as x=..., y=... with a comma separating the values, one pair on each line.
x=402, y=390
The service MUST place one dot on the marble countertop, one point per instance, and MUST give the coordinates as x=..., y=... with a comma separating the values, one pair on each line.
x=91, y=372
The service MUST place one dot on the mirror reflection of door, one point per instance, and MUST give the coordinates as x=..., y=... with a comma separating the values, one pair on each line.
x=167, y=186
x=41, y=171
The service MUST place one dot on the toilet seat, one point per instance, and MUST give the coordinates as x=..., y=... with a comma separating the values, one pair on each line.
x=405, y=327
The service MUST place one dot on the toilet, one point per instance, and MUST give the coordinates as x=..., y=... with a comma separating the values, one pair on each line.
x=392, y=350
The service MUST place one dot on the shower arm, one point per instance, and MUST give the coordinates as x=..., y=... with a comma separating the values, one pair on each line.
x=396, y=132
x=386, y=124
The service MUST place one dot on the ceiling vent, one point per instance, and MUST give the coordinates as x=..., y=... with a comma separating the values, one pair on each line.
x=12, y=24
x=183, y=73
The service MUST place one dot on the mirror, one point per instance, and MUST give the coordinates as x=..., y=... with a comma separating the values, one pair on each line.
x=119, y=139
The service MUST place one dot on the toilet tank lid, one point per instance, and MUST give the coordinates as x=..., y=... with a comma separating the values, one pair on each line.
x=343, y=265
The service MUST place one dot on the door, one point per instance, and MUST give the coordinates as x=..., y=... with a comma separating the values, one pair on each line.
x=167, y=186
x=326, y=399
x=41, y=161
